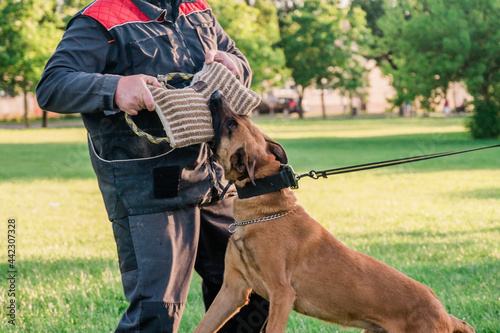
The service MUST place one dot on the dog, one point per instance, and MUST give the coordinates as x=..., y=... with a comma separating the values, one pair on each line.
x=295, y=263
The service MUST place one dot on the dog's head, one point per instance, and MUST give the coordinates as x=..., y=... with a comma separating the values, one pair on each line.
x=242, y=149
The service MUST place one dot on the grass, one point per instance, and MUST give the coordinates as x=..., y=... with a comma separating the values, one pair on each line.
x=437, y=221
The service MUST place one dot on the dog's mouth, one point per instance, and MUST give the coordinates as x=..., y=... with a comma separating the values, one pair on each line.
x=216, y=105
x=224, y=119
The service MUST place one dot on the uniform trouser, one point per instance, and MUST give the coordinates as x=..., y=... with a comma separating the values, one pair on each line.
x=157, y=254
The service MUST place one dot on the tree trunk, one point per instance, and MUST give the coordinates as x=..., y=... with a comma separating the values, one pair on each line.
x=323, y=109
x=362, y=98
x=26, y=120
x=44, y=119
x=345, y=107
x=300, y=92
x=352, y=110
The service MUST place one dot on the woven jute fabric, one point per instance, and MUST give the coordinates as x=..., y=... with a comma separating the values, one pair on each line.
x=185, y=113
x=185, y=116
x=218, y=77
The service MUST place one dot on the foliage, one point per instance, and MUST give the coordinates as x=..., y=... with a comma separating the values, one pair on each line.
x=27, y=39
x=370, y=49
x=374, y=10
x=255, y=32
x=29, y=33
x=484, y=123
x=320, y=39
x=432, y=44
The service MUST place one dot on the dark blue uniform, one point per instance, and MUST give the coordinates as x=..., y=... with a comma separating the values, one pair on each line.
x=162, y=201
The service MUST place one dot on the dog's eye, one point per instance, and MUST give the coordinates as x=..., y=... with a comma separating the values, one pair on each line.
x=231, y=124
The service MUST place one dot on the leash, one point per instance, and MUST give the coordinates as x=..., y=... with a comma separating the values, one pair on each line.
x=325, y=173
x=287, y=177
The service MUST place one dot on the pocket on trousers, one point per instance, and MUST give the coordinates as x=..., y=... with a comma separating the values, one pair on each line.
x=160, y=317
x=166, y=181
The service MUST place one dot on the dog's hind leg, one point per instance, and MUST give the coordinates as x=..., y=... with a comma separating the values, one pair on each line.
x=460, y=326
x=377, y=331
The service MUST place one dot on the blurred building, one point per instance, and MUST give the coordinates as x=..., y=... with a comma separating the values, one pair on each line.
x=375, y=99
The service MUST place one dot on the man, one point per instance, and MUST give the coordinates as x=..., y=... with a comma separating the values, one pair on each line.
x=163, y=202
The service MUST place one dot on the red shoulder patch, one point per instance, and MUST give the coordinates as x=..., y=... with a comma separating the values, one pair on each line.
x=111, y=13
x=188, y=8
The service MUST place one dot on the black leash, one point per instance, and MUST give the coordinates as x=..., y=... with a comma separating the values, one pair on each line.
x=287, y=177
x=325, y=173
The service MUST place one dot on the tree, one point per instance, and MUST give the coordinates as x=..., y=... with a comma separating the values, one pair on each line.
x=319, y=38
x=29, y=33
x=434, y=43
x=255, y=32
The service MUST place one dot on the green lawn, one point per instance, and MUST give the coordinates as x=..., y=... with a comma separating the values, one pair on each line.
x=437, y=221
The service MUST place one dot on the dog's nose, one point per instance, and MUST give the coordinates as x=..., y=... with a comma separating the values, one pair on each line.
x=215, y=102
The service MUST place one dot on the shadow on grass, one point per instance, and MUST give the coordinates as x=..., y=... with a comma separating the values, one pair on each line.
x=484, y=193
x=64, y=294
x=328, y=153
x=68, y=295
x=71, y=160
x=416, y=235
x=46, y=160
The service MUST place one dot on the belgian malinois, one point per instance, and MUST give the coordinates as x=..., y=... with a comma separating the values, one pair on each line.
x=295, y=263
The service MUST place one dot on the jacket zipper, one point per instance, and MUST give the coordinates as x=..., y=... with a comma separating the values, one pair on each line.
x=184, y=44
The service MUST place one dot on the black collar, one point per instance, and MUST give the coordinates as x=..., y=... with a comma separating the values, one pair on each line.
x=285, y=178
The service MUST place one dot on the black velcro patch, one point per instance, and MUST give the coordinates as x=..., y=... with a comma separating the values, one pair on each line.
x=199, y=86
x=166, y=181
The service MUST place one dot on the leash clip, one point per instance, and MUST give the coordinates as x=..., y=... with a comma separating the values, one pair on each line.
x=293, y=177
x=232, y=228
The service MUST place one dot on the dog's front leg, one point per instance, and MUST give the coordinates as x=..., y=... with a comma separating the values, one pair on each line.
x=231, y=297
x=229, y=300
x=282, y=298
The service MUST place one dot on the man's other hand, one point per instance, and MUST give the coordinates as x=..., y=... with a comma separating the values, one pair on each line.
x=132, y=94
x=223, y=58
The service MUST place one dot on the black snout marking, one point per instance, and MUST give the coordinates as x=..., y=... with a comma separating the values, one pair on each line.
x=216, y=102
x=216, y=105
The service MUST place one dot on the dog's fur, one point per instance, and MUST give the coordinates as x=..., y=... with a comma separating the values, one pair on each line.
x=296, y=264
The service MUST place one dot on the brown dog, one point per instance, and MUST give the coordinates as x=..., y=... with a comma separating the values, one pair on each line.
x=295, y=263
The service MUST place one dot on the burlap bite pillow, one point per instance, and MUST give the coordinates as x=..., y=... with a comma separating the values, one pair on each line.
x=185, y=114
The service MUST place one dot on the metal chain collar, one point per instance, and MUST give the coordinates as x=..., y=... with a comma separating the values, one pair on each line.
x=232, y=227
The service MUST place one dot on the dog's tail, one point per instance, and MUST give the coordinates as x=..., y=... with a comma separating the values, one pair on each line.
x=460, y=326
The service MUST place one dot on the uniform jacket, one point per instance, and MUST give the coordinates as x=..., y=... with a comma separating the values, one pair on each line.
x=110, y=38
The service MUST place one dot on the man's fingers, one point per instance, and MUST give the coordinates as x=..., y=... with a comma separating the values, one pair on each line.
x=223, y=58
x=131, y=112
x=148, y=100
x=209, y=57
x=152, y=81
x=230, y=65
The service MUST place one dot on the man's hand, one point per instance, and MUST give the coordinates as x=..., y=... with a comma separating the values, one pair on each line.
x=132, y=95
x=223, y=58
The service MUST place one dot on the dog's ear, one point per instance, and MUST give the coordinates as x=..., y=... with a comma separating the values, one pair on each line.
x=277, y=150
x=244, y=164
